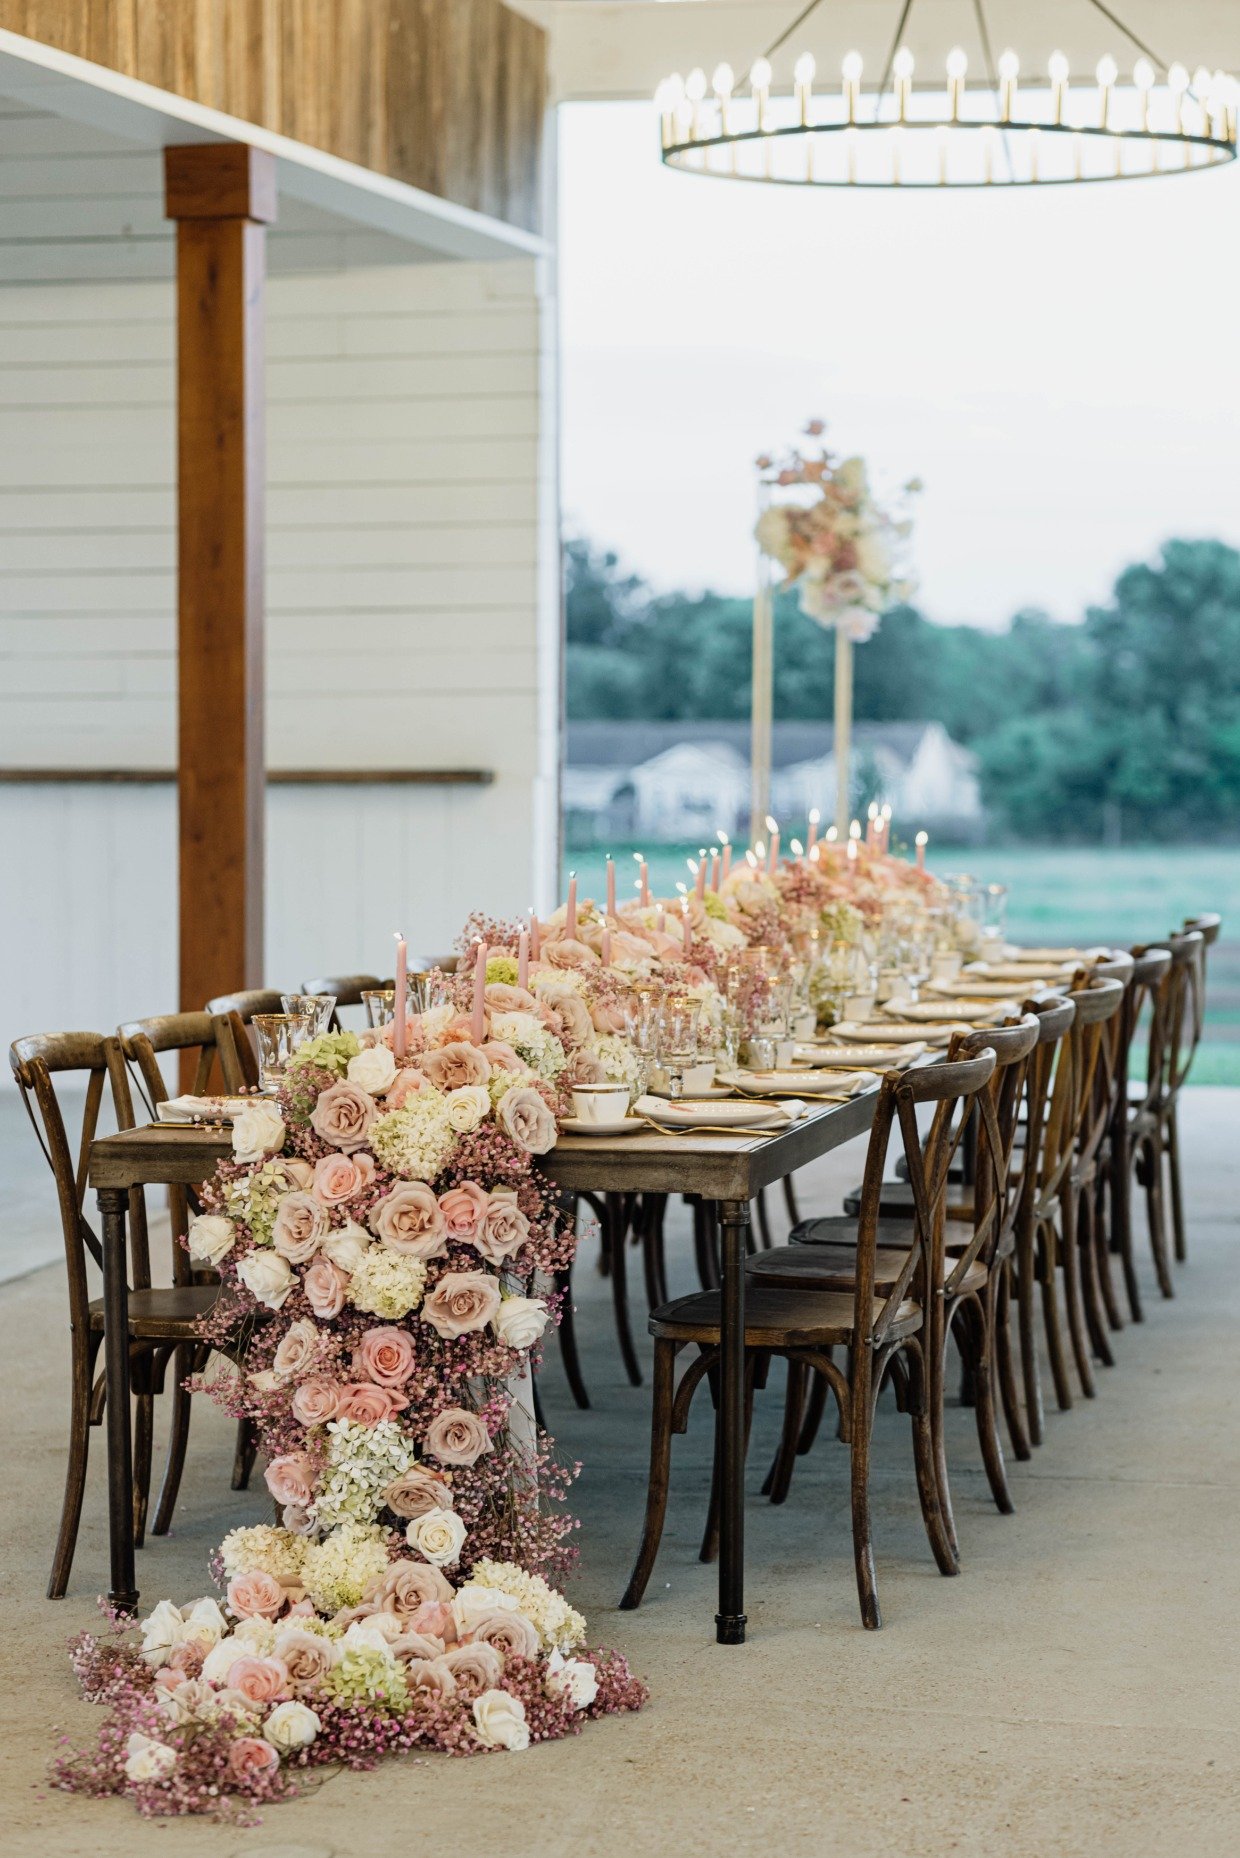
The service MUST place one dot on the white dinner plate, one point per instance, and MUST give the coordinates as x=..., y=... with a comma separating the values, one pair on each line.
x=1062, y=957
x=1023, y=973
x=732, y=1113
x=203, y=1109
x=891, y=1032
x=627, y=1125
x=885, y=1057
x=799, y=1082
x=978, y=989
x=974, y=1012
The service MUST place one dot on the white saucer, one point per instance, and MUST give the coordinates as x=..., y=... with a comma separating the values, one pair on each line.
x=627, y=1125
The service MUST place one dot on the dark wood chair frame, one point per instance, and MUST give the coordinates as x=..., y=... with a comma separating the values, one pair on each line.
x=1134, y=1113
x=879, y=1325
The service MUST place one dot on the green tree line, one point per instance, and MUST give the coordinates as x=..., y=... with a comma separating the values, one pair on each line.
x=1126, y=723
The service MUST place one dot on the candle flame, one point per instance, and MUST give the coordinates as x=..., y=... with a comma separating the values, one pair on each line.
x=722, y=837
x=923, y=838
x=814, y=816
x=772, y=825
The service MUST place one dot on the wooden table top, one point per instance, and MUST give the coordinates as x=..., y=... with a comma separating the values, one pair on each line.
x=719, y=1167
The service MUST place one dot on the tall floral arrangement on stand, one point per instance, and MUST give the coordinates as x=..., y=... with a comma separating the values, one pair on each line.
x=844, y=553
x=382, y=1232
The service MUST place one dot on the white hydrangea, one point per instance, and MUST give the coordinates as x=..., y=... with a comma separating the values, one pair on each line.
x=416, y=1140
x=263, y=1549
x=618, y=1059
x=338, y=1571
x=361, y=1462
x=531, y=1041
x=558, y=1625
x=387, y=1283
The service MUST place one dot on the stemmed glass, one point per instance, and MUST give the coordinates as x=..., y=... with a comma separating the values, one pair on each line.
x=278, y=1036
x=427, y=990
x=320, y=1007
x=643, y=1023
x=380, y=1004
x=678, y=1049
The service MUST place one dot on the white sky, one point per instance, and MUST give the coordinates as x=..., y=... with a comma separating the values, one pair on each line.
x=1061, y=369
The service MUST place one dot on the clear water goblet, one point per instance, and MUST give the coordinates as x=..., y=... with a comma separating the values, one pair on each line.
x=278, y=1036
x=320, y=1007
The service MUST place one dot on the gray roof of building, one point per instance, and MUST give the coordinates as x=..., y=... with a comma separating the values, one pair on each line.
x=630, y=744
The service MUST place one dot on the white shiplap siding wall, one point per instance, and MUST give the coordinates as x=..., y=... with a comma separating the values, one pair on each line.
x=412, y=594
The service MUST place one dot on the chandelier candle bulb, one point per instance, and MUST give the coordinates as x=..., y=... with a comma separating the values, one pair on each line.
x=695, y=92
x=902, y=69
x=1009, y=71
x=1058, y=69
x=1143, y=80
x=400, y=1000
x=1106, y=73
x=957, y=71
x=851, y=72
x=523, y=959
x=796, y=848
x=922, y=840
x=832, y=834
x=477, y=1028
x=760, y=84
x=803, y=77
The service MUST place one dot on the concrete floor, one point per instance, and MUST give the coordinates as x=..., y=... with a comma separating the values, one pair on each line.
x=1074, y=1692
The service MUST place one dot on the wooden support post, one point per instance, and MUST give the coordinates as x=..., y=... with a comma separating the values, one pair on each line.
x=222, y=196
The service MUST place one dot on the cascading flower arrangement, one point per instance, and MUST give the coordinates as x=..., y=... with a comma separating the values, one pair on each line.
x=839, y=547
x=379, y=1230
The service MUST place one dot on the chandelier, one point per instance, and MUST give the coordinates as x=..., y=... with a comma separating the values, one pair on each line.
x=1007, y=128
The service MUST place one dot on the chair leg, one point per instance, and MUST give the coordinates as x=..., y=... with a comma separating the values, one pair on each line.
x=935, y=1338
x=1070, y=1259
x=244, y=1453
x=1121, y=1221
x=704, y=1249
x=1049, y=1279
x=568, y=1340
x=815, y=1407
x=861, y=1418
x=790, y=1202
x=944, y=1554
x=83, y=1373
x=1026, y=1290
x=764, y=1219
x=650, y=1229
x=615, y=1235
x=1156, y=1215
x=1179, y=1229
x=178, y=1439
x=660, y=1472
x=982, y=1339
x=1005, y=1366
x=143, y=1447
x=1087, y=1256
x=1104, y=1244
x=779, y=1478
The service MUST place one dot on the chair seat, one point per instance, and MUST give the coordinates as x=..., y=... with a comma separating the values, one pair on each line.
x=834, y=1268
x=164, y=1315
x=838, y=1229
x=775, y=1318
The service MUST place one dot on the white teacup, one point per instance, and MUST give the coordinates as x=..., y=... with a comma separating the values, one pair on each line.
x=600, y=1103
x=859, y=1006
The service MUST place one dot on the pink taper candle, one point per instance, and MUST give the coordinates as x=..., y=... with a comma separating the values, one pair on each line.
x=401, y=1001
x=727, y=861
x=606, y=947
x=523, y=959
x=922, y=840
x=660, y=921
x=685, y=925
x=535, y=936
x=570, y=920
x=714, y=870
x=611, y=887
x=699, y=888
x=772, y=863
x=643, y=878
x=812, y=840
x=477, y=1030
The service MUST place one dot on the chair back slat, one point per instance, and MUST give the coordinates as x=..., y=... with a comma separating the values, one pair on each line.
x=996, y=1190
x=1185, y=1007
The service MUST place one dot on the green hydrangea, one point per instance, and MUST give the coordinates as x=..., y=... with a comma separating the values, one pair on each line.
x=715, y=907
x=841, y=922
x=367, y=1675
x=501, y=970
x=331, y=1051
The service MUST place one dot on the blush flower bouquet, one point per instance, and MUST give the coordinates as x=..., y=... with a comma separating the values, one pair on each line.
x=381, y=1233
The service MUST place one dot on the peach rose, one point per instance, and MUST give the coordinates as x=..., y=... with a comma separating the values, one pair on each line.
x=316, y=1400
x=307, y=1657
x=511, y=1634
x=584, y=1068
x=463, y=1209
x=461, y=1302
x=406, y=1586
x=428, y=1680
x=385, y=1356
x=454, y=1065
x=290, y=1479
x=296, y=1349
x=501, y=1057
x=607, y=1016
x=324, y=1285
x=299, y=1172
x=259, y=1680
x=415, y=1492
x=368, y=1405
x=501, y=998
x=570, y=954
x=416, y=1645
x=525, y=1116
x=434, y=1619
x=256, y=1595
x=404, y=1085
x=300, y=1226
x=338, y=1177
x=475, y=1667
x=504, y=1228
x=410, y=1221
x=571, y=1011
x=249, y=1759
x=456, y=1436
x=342, y=1116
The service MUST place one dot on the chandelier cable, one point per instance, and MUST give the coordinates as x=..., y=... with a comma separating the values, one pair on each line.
x=1129, y=34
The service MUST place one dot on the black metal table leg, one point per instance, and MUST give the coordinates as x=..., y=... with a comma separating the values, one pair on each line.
x=730, y=1619
x=113, y=1205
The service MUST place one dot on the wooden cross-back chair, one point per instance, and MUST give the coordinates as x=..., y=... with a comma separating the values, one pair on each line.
x=159, y=1320
x=1107, y=1084
x=883, y=1318
x=346, y=988
x=1134, y=1120
x=236, y=1042
x=1175, y=1033
x=1044, y=1087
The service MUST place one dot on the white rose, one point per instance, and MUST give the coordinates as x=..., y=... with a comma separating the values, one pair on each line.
x=220, y=1659
x=291, y=1726
x=267, y=1277
x=516, y=1028
x=187, y=1702
x=434, y=1022
x=210, y=1237
x=575, y=1678
x=372, y=1070
x=474, y=1601
x=466, y=1107
x=146, y=1760
x=438, y=1535
x=258, y=1131
x=499, y=1720
x=346, y=1246
x=364, y=1635
x=520, y=1321
x=205, y=1625
x=162, y=1631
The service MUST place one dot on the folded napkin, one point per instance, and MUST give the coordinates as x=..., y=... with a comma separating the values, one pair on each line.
x=737, y=1113
x=891, y=1032
x=978, y=988
x=974, y=1012
x=1063, y=957
x=1023, y=973
x=202, y=1109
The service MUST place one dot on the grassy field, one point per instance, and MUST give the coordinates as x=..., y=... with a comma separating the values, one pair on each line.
x=1077, y=894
